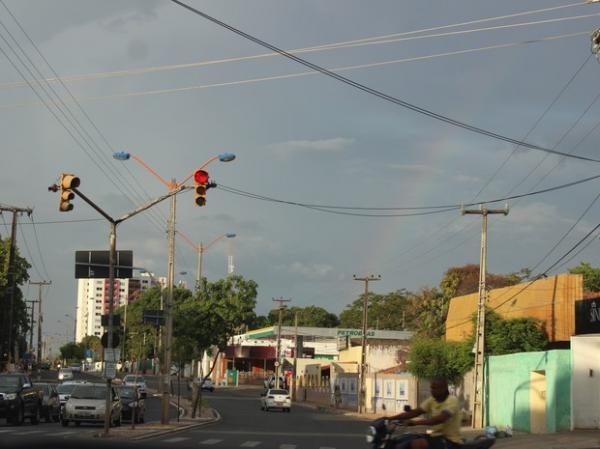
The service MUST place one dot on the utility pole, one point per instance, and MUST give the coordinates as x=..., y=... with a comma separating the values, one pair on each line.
x=168, y=334
x=478, y=376
x=363, y=356
x=281, y=302
x=32, y=324
x=40, y=320
x=295, y=356
x=199, y=283
x=7, y=345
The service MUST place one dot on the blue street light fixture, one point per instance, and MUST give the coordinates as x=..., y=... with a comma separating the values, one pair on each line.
x=121, y=155
x=230, y=235
x=226, y=157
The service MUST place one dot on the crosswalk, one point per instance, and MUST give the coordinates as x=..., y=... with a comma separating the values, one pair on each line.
x=37, y=433
x=245, y=444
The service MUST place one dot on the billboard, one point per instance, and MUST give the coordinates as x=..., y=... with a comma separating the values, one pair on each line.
x=94, y=264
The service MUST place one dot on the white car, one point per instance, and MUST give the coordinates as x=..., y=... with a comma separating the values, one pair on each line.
x=65, y=374
x=87, y=404
x=131, y=380
x=273, y=398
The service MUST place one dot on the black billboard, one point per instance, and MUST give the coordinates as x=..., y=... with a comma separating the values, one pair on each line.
x=94, y=265
x=587, y=316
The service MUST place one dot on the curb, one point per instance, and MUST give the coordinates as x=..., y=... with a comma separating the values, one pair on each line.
x=159, y=433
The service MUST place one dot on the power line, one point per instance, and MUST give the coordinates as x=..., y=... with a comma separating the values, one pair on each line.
x=379, y=94
x=37, y=242
x=374, y=40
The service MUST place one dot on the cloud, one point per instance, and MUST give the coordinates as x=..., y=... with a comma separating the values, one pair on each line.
x=310, y=271
x=417, y=169
x=333, y=145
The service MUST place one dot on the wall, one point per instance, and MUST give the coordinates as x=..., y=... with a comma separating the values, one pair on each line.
x=508, y=387
x=550, y=300
x=379, y=357
x=586, y=382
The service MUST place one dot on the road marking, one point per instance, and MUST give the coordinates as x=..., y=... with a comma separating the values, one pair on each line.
x=287, y=446
x=283, y=434
x=210, y=441
x=61, y=434
x=175, y=440
x=326, y=447
x=250, y=444
x=29, y=432
x=6, y=430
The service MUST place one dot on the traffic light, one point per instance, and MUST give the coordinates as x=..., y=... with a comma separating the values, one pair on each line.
x=200, y=187
x=67, y=182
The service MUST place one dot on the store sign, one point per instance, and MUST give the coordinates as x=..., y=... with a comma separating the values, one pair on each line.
x=587, y=316
x=353, y=333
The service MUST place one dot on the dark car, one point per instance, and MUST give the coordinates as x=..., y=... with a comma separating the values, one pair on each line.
x=133, y=404
x=50, y=402
x=19, y=399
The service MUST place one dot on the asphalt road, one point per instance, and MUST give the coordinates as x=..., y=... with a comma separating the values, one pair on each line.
x=244, y=425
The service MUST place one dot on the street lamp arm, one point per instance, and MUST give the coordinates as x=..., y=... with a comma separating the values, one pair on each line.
x=212, y=159
x=147, y=167
x=151, y=203
x=189, y=241
x=204, y=248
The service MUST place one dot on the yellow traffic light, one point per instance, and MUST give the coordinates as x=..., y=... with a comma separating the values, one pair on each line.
x=67, y=182
x=200, y=186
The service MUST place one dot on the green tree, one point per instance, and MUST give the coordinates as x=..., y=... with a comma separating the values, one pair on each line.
x=428, y=312
x=72, y=352
x=390, y=311
x=509, y=336
x=591, y=276
x=92, y=343
x=20, y=321
x=310, y=316
x=432, y=358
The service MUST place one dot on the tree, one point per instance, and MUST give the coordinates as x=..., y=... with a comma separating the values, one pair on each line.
x=72, y=351
x=428, y=312
x=20, y=321
x=310, y=316
x=390, y=311
x=591, y=276
x=92, y=343
x=431, y=358
x=509, y=336
x=458, y=281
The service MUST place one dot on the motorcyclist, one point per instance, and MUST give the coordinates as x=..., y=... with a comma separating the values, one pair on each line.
x=445, y=418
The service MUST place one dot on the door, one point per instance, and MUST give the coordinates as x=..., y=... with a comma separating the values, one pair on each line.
x=537, y=401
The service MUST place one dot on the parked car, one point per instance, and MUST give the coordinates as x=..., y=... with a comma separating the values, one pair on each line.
x=270, y=382
x=50, y=402
x=87, y=404
x=132, y=404
x=65, y=374
x=207, y=384
x=133, y=380
x=44, y=366
x=19, y=399
x=76, y=368
x=276, y=399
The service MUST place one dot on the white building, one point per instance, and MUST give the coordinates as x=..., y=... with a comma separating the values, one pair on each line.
x=93, y=302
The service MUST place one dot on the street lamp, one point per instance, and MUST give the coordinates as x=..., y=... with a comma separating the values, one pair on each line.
x=168, y=334
x=201, y=249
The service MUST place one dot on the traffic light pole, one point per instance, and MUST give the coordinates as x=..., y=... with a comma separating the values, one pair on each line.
x=111, y=273
x=478, y=376
x=278, y=367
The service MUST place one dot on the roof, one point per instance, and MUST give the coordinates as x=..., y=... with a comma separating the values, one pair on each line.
x=325, y=333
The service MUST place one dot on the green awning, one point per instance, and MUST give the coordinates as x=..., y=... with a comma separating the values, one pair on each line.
x=263, y=334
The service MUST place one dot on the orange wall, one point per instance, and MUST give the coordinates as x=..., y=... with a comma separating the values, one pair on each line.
x=550, y=300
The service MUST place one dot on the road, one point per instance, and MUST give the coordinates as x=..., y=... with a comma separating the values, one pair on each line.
x=49, y=432
x=244, y=425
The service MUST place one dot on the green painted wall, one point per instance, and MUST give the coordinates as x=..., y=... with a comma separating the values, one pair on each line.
x=508, y=389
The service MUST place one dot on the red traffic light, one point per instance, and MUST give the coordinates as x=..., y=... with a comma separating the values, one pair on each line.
x=201, y=177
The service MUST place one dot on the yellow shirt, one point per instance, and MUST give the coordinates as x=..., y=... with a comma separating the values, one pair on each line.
x=451, y=428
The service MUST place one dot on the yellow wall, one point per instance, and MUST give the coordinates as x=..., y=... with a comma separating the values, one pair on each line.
x=352, y=354
x=550, y=300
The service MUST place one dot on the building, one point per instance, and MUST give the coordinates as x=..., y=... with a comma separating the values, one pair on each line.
x=93, y=302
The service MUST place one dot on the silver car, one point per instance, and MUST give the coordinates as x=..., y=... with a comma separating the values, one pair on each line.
x=133, y=380
x=87, y=404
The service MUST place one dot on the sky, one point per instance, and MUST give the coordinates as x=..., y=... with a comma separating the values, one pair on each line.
x=175, y=89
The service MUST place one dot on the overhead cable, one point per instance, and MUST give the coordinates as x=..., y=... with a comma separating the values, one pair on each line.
x=379, y=94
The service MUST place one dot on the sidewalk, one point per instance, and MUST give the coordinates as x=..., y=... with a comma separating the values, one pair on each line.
x=154, y=429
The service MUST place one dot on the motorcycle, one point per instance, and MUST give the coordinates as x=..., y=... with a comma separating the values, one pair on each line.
x=380, y=435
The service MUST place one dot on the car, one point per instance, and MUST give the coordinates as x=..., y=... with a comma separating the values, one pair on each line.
x=65, y=374
x=276, y=398
x=270, y=382
x=76, y=368
x=50, y=402
x=133, y=380
x=133, y=406
x=44, y=366
x=64, y=391
x=19, y=399
x=207, y=384
x=87, y=404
